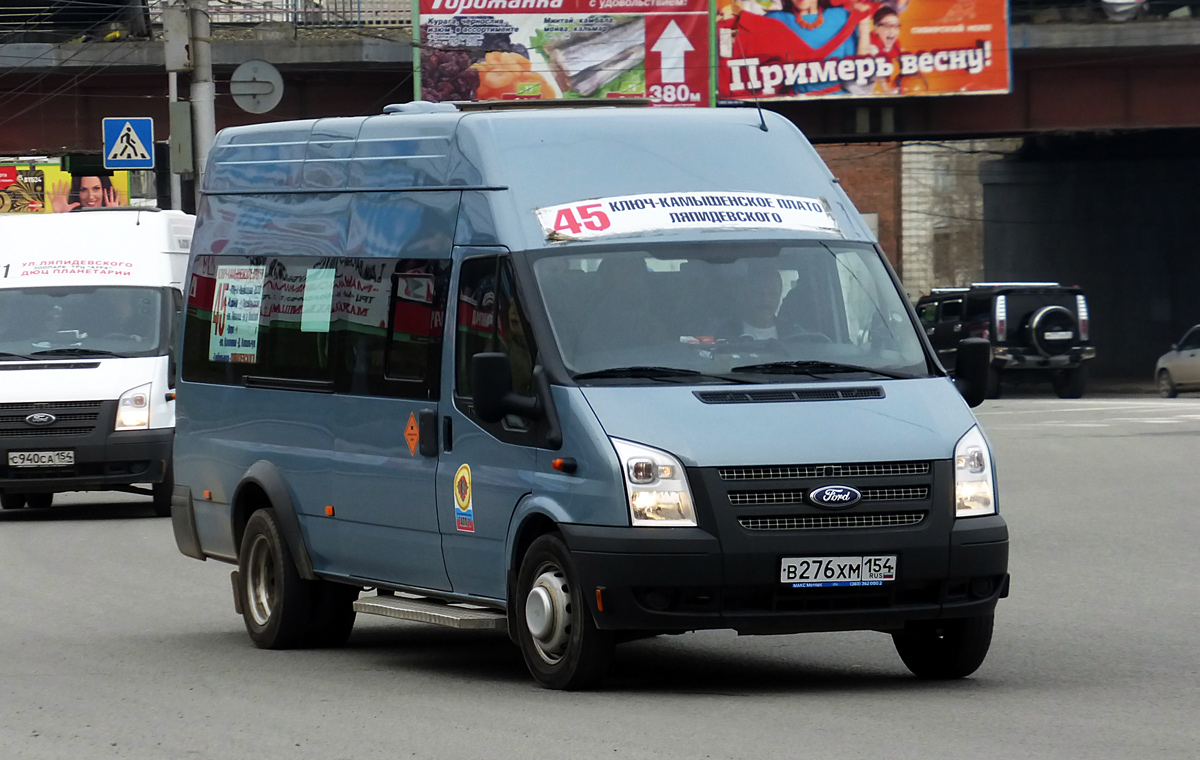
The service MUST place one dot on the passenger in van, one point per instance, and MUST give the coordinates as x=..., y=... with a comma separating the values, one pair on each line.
x=755, y=309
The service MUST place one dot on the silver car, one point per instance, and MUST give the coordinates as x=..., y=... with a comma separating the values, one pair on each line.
x=1179, y=369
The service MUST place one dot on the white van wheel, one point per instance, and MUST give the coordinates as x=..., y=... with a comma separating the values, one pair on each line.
x=561, y=645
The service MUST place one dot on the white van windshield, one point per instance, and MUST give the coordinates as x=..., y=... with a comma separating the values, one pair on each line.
x=748, y=313
x=81, y=321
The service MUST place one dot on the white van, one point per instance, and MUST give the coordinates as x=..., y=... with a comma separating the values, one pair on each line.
x=89, y=311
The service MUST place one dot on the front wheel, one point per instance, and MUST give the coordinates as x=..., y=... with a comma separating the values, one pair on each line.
x=162, y=492
x=1166, y=387
x=945, y=649
x=277, y=604
x=561, y=645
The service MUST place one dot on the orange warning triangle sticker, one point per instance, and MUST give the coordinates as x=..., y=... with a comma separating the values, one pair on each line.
x=412, y=434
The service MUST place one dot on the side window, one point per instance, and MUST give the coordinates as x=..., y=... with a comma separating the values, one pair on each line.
x=389, y=318
x=490, y=318
x=952, y=311
x=927, y=312
x=265, y=317
x=1191, y=341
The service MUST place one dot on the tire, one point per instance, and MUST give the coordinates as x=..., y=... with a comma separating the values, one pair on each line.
x=1070, y=383
x=945, y=649
x=1166, y=386
x=1053, y=319
x=333, y=615
x=39, y=500
x=162, y=492
x=277, y=604
x=12, y=500
x=558, y=638
x=993, y=383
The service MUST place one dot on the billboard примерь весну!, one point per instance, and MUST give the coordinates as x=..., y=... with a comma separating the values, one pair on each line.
x=797, y=49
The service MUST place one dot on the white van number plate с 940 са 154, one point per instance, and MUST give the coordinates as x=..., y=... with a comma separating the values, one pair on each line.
x=41, y=458
x=817, y=572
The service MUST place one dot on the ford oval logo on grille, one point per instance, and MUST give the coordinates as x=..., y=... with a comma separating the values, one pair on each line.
x=834, y=497
x=40, y=419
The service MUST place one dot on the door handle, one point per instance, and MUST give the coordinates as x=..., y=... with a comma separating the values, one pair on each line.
x=447, y=434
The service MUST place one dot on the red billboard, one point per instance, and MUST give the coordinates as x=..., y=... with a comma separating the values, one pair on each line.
x=473, y=50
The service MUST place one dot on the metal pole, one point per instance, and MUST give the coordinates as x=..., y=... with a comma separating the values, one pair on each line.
x=176, y=185
x=203, y=90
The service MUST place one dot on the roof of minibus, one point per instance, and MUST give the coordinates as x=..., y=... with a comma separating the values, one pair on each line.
x=124, y=246
x=541, y=157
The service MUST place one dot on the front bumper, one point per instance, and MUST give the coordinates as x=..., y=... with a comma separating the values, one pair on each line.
x=104, y=459
x=678, y=579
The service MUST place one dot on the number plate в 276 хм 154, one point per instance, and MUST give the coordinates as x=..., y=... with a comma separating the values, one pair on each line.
x=41, y=458
x=817, y=572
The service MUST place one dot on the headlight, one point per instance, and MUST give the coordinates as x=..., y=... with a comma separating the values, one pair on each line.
x=655, y=486
x=133, y=410
x=974, y=489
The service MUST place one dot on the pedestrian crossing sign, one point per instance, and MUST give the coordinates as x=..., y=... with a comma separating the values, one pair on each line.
x=129, y=143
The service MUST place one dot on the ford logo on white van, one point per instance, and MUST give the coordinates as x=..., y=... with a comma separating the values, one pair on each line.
x=40, y=419
x=834, y=497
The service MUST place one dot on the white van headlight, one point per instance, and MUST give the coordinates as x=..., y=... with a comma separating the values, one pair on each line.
x=974, y=489
x=133, y=409
x=655, y=486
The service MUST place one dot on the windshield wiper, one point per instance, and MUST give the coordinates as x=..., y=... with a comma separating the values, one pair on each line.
x=815, y=368
x=653, y=373
x=7, y=355
x=76, y=352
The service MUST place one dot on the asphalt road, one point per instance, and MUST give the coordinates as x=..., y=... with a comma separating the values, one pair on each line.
x=116, y=646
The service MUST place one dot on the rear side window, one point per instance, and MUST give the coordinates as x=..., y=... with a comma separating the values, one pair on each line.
x=952, y=311
x=351, y=325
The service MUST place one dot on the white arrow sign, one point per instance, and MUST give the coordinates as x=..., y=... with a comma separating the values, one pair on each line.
x=673, y=46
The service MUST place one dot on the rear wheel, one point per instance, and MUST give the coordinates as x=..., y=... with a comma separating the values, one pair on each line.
x=561, y=645
x=277, y=604
x=1070, y=383
x=945, y=649
x=12, y=500
x=1166, y=386
x=39, y=500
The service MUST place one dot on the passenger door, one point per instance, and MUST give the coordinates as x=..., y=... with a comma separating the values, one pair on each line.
x=948, y=331
x=390, y=321
x=1188, y=359
x=484, y=469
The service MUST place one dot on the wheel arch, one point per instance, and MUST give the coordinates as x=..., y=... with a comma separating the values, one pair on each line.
x=262, y=487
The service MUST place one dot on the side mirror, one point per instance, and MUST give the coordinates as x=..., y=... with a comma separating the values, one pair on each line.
x=971, y=369
x=491, y=382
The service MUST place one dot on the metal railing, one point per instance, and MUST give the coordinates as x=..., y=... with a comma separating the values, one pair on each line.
x=304, y=13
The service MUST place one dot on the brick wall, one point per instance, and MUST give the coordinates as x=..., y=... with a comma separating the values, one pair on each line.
x=870, y=175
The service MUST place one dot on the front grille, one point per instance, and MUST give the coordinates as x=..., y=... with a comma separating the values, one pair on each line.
x=41, y=406
x=831, y=522
x=72, y=418
x=797, y=471
x=902, y=493
x=45, y=432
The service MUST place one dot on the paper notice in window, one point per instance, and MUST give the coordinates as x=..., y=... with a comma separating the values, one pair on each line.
x=237, y=299
x=317, y=309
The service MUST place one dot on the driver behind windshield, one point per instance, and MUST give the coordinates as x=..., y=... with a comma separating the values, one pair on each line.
x=754, y=308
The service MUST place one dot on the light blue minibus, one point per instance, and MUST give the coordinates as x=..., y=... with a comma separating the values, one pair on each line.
x=581, y=374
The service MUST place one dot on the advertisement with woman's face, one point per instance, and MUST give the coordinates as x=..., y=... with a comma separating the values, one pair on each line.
x=791, y=49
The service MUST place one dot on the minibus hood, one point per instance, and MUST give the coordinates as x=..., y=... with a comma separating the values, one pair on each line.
x=913, y=419
x=74, y=379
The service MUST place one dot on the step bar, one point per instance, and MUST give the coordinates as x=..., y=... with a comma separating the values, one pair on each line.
x=426, y=610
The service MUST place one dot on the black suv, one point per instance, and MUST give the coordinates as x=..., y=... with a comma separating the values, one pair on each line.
x=1037, y=330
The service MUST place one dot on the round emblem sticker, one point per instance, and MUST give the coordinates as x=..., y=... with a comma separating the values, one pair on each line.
x=462, y=487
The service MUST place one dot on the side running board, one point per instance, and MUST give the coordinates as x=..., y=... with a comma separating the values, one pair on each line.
x=425, y=610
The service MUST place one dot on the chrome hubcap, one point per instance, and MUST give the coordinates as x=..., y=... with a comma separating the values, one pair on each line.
x=548, y=613
x=260, y=581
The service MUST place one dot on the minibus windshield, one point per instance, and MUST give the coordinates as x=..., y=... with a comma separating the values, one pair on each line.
x=738, y=312
x=46, y=323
